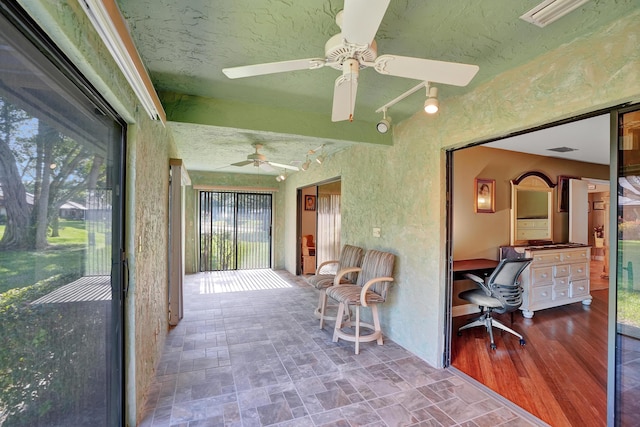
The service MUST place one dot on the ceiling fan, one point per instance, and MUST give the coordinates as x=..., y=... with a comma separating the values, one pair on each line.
x=258, y=159
x=354, y=48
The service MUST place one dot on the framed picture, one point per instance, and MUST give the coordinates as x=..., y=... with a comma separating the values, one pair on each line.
x=309, y=203
x=563, y=192
x=485, y=195
x=598, y=206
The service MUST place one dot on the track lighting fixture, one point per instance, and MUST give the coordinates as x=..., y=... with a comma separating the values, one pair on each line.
x=384, y=125
x=306, y=164
x=322, y=156
x=282, y=176
x=431, y=105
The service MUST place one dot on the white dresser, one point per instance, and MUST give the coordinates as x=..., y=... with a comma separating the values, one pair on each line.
x=557, y=275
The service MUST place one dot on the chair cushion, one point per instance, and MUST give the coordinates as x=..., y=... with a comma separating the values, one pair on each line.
x=323, y=281
x=479, y=297
x=350, y=294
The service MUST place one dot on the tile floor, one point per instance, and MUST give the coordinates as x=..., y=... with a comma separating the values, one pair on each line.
x=249, y=352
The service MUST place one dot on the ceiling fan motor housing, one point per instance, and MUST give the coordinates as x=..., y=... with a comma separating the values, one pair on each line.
x=337, y=51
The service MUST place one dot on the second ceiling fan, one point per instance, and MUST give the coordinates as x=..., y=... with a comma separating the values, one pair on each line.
x=354, y=48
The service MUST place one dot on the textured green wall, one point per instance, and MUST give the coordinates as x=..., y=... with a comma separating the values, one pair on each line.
x=401, y=189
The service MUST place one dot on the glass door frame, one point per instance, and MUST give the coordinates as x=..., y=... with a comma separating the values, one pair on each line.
x=613, y=367
x=44, y=52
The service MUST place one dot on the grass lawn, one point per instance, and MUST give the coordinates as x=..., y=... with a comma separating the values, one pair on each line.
x=65, y=254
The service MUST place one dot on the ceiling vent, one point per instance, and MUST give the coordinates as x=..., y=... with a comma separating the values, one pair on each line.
x=550, y=10
x=562, y=149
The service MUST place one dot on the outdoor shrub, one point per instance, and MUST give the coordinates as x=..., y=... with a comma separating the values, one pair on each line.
x=46, y=361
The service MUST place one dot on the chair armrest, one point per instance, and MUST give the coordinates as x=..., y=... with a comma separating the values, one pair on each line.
x=370, y=283
x=339, y=274
x=479, y=281
x=333, y=261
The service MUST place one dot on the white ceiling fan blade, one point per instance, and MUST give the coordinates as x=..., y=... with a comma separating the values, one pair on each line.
x=273, y=67
x=344, y=98
x=280, y=165
x=361, y=19
x=266, y=166
x=450, y=73
x=243, y=163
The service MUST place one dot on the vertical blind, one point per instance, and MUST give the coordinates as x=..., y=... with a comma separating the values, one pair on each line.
x=235, y=231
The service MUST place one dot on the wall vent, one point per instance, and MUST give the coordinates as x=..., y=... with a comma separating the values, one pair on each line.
x=550, y=10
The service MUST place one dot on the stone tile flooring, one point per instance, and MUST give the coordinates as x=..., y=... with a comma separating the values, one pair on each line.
x=254, y=356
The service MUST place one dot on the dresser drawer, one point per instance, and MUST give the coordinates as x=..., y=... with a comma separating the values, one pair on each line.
x=541, y=294
x=541, y=275
x=561, y=282
x=532, y=234
x=575, y=256
x=533, y=223
x=579, y=271
x=560, y=292
x=540, y=257
x=561, y=270
x=579, y=288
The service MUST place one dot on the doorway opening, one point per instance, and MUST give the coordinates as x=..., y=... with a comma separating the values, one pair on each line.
x=552, y=363
x=319, y=224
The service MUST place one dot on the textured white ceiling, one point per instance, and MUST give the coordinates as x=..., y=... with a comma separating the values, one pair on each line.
x=589, y=137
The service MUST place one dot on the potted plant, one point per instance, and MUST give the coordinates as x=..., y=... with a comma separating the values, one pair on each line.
x=598, y=233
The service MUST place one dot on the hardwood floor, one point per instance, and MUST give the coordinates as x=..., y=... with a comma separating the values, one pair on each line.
x=560, y=375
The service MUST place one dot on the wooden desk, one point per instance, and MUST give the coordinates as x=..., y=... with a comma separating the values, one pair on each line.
x=475, y=266
x=478, y=266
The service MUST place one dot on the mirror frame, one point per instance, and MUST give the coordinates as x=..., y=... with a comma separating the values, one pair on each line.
x=531, y=181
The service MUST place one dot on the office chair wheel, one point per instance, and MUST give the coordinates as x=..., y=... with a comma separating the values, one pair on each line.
x=493, y=346
x=522, y=341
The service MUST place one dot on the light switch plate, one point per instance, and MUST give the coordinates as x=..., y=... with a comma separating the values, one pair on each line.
x=376, y=232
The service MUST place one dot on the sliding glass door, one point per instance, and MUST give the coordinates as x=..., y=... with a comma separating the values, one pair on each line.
x=235, y=231
x=60, y=239
x=625, y=312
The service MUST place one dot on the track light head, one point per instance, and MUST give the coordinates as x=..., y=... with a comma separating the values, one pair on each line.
x=432, y=105
x=306, y=164
x=322, y=156
x=384, y=124
x=281, y=177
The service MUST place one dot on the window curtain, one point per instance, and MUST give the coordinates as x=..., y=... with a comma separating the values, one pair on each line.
x=328, y=238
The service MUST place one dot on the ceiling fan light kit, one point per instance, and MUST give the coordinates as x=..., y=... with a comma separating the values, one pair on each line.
x=355, y=48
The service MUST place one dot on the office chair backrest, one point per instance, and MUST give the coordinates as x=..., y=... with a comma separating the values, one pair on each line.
x=504, y=284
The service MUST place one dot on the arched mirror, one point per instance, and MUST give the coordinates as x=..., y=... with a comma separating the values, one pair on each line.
x=531, y=209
